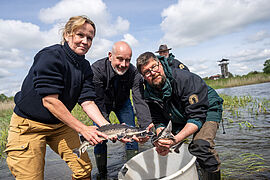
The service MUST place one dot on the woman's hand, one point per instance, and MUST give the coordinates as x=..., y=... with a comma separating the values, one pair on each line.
x=92, y=135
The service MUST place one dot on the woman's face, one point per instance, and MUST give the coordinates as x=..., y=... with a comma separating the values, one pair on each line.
x=81, y=40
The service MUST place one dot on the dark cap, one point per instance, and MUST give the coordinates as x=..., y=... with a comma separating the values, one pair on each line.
x=162, y=48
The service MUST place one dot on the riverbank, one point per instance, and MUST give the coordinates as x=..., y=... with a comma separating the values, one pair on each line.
x=238, y=81
x=243, y=149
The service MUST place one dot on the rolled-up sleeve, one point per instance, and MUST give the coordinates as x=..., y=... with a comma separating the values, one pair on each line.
x=48, y=73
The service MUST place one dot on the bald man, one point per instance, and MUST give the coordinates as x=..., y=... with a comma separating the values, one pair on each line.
x=114, y=78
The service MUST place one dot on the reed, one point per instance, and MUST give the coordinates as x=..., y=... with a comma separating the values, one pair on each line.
x=6, y=109
x=6, y=105
x=237, y=108
x=238, y=81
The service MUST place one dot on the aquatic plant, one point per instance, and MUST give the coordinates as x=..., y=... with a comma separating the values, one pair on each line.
x=246, y=163
x=238, y=107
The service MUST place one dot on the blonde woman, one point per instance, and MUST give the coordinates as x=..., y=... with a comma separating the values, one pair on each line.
x=59, y=78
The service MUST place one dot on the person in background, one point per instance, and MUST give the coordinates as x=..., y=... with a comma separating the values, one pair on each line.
x=59, y=78
x=182, y=97
x=174, y=63
x=114, y=78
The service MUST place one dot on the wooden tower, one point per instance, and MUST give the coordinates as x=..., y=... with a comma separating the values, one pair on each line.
x=224, y=68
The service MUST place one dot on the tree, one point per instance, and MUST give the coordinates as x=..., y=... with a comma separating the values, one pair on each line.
x=3, y=97
x=266, y=68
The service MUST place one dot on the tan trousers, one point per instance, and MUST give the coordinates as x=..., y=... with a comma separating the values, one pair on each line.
x=203, y=146
x=26, y=148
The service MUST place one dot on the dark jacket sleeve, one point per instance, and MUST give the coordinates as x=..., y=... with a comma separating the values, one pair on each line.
x=156, y=113
x=194, y=95
x=142, y=109
x=99, y=83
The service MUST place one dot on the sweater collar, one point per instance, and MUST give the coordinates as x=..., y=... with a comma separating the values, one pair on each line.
x=158, y=94
x=75, y=58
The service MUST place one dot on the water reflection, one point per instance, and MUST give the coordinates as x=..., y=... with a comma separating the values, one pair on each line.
x=255, y=90
x=244, y=150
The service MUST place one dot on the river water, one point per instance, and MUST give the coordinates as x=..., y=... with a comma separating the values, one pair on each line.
x=244, y=152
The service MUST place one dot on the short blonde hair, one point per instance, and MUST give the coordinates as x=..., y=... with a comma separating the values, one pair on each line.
x=74, y=23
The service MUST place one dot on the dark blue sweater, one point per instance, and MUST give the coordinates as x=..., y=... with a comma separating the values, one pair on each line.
x=56, y=70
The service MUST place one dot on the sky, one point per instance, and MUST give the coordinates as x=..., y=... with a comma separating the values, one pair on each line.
x=200, y=32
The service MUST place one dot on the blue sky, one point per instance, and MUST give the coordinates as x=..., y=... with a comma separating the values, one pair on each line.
x=200, y=32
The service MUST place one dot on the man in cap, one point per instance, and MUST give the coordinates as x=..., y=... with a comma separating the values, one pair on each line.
x=173, y=63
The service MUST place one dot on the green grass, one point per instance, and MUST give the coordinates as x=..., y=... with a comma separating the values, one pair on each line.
x=5, y=116
x=81, y=116
x=238, y=80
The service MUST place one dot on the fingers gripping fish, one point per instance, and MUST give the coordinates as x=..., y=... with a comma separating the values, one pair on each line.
x=114, y=130
x=166, y=133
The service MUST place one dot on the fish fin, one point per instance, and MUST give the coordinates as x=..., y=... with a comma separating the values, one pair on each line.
x=177, y=146
x=77, y=152
x=150, y=133
x=120, y=136
x=82, y=139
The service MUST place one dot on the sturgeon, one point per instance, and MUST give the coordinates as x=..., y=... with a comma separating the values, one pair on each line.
x=166, y=133
x=114, y=130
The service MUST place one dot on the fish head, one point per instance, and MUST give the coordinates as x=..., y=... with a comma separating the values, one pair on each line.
x=166, y=132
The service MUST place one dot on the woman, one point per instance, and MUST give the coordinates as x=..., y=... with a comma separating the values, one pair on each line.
x=59, y=78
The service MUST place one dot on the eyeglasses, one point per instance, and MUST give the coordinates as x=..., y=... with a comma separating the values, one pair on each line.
x=154, y=68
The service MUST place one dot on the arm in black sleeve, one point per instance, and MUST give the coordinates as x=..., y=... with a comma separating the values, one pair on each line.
x=99, y=83
x=48, y=73
x=142, y=109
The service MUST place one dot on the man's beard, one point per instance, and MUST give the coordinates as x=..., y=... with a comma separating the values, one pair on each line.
x=120, y=73
x=160, y=84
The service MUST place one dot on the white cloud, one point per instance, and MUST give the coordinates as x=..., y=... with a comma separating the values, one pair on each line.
x=259, y=36
x=99, y=49
x=9, y=87
x=18, y=34
x=67, y=8
x=96, y=10
x=12, y=58
x=248, y=55
x=190, y=22
x=20, y=40
x=4, y=73
x=131, y=40
x=24, y=35
x=248, y=60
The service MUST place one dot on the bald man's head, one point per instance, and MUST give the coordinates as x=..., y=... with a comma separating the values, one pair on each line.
x=120, y=57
